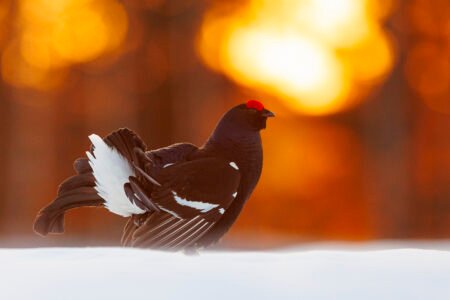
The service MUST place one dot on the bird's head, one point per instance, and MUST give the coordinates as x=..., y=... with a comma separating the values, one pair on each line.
x=250, y=116
x=241, y=124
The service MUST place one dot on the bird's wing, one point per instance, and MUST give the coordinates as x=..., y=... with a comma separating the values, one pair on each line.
x=169, y=155
x=144, y=164
x=193, y=196
x=199, y=187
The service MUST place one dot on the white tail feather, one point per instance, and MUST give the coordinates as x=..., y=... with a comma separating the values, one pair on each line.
x=111, y=171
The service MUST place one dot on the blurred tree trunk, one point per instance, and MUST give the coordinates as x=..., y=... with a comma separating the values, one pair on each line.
x=4, y=152
x=387, y=129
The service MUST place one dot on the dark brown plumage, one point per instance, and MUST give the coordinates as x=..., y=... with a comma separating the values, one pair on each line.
x=177, y=197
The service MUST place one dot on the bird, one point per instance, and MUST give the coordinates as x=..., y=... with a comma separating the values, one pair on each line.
x=179, y=197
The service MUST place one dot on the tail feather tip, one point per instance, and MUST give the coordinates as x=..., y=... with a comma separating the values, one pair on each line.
x=45, y=224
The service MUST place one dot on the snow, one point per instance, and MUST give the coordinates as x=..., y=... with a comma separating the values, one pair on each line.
x=119, y=273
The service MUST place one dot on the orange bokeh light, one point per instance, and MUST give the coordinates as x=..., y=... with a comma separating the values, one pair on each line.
x=313, y=55
x=287, y=65
x=53, y=35
x=427, y=67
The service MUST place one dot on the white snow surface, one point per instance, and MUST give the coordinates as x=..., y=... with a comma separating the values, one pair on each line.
x=121, y=273
x=111, y=171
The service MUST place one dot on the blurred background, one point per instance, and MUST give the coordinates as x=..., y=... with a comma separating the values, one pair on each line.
x=360, y=148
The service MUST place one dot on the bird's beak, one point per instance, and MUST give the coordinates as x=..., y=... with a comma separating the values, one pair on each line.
x=267, y=113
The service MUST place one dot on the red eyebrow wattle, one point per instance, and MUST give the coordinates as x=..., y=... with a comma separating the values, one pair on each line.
x=255, y=104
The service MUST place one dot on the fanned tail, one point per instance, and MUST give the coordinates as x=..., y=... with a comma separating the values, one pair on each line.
x=76, y=191
x=83, y=189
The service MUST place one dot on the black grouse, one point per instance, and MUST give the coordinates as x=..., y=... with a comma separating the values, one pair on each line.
x=177, y=197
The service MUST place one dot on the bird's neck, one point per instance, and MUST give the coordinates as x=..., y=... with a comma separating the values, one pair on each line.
x=243, y=149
